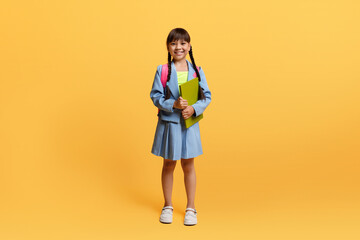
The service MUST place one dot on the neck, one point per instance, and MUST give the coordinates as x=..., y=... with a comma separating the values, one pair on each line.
x=180, y=63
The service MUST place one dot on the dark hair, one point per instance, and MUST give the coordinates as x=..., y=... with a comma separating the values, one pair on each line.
x=174, y=35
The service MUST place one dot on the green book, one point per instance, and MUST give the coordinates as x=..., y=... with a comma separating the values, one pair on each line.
x=190, y=91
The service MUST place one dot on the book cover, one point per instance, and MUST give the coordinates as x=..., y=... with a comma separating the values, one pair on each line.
x=190, y=91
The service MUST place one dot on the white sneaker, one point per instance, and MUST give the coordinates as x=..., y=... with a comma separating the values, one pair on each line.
x=190, y=217
x=166, y=214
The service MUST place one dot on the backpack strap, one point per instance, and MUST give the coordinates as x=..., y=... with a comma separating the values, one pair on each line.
x=164, y=73
x=163, y=78
x=194, y=75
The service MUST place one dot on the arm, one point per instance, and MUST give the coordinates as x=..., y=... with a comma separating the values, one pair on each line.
x=157, y=94
x=201, y=105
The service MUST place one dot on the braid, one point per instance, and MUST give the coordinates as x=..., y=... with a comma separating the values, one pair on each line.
x=201, y=92
x=168, y=92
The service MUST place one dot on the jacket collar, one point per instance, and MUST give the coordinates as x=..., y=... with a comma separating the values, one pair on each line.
x=173, y=82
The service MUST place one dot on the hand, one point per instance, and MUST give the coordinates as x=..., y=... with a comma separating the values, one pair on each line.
x=188, y=112
x=180, y=103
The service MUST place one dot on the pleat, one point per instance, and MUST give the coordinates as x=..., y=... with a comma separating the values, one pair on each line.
x=174, y=141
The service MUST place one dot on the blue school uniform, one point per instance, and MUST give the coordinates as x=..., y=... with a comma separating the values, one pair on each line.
x=172, y=139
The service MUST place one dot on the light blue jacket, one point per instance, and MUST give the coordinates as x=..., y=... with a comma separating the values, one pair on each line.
x=157, y=94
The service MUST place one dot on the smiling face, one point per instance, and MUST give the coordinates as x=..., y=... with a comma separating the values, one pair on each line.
x=179, y=49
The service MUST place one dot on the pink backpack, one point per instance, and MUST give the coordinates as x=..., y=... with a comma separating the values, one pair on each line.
x=164, y=74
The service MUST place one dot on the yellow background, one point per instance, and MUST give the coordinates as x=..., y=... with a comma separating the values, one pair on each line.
x=280, y=137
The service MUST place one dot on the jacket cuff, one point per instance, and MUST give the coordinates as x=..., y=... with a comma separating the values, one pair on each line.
x=195, y=110
x=170, y=104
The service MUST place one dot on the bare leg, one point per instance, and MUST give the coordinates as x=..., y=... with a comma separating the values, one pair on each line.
x=167, y=180
x=190, y=180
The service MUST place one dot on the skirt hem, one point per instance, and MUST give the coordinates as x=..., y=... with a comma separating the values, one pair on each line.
x=160, y=155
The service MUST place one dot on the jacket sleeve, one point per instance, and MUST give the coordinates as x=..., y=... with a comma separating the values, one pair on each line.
x=157, y=94
x=201, y=105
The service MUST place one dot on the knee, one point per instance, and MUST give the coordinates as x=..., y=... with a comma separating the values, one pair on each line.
x=187, y=166
x=169, y=165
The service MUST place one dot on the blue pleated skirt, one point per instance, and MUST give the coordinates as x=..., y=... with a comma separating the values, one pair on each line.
x=174, y=141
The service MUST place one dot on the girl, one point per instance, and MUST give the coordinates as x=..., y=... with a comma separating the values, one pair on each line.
x=173, y=141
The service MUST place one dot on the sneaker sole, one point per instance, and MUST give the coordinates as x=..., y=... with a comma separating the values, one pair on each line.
x=186, y=224
x=165, y=222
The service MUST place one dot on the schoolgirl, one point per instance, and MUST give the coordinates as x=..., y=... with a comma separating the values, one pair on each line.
x=173, y=141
